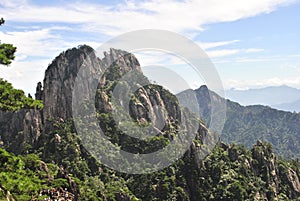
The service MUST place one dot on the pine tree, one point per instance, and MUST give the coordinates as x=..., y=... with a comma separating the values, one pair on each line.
x=7, y=51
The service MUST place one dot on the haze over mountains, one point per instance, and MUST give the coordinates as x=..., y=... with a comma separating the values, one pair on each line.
x=246, y=124
x=279, y=97
x=49, y=154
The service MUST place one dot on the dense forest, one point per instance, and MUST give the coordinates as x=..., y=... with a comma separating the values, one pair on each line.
x=230, y=172
x=247, y=124
x=43, y=157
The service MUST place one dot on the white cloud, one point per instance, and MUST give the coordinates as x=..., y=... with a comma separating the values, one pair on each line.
x=179, y=16
x=187, y=17
x=40, y=42
x=210, y=45
x=257, y=59
x=253, y=83
x=294, y=68
x=294, y=55
x=12, y=4
x=222, y=53
x=148, y=58
x=253, y=60
x=253, y=50
x=25, y=74
x=230, y=52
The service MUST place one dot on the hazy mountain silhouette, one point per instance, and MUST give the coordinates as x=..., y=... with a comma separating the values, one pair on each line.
x=279, y=97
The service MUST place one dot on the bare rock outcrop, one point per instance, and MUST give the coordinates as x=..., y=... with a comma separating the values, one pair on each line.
x=20, y=130
x=60, y=78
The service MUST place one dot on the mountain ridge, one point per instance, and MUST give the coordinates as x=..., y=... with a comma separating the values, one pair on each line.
x=246, y=124
x=271, y=96
x=50, y=153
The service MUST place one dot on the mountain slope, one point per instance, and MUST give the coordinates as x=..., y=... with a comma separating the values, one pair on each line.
x=246, y=124
x=264, y=96
x=229, y=172
x=290, y=106
x=50, y=132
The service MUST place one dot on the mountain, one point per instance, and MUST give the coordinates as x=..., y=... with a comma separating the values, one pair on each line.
x=43, y=154
x=246, y=124
x=291, y=106
x=271, y=96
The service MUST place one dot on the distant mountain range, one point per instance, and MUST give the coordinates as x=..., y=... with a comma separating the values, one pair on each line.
x=292, y=106
x=279, y=97
x=52, y=162
x=246, y=124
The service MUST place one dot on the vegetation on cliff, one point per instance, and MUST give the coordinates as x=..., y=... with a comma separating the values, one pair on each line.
x=247, y=124
x=50, y=155
x=230, y=172
x=7, y=51
x=12, y=99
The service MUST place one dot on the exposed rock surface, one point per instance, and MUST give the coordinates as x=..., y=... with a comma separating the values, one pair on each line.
x=39, y=91
x=59, y=81
x=20, y=129
x=266, y=167
x=246, y=124
x=150, y=104
x=23, y=128
x=6, y=193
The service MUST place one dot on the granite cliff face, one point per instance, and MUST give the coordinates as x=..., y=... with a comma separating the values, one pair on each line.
x=61, y=74
x=20, y=130
x=246, y=124
x=59, y=81
x=151, y=105
x=25, y=127
x=188, y=179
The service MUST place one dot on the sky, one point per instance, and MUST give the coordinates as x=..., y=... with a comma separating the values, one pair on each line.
x=252, y=43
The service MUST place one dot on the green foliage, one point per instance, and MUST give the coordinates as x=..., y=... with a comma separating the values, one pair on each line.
x=32, y=161
x=14, y=99
x=7, y=51
x=246, y=125
x=60, y=182
x=2, y=21
x=92, y=189
x=229, y=172
x=23, y=177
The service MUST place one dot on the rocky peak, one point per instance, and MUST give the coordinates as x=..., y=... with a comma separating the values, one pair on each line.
x=126, y=61
x=20, y=130
x=60, y=77
x=23, y=128
x=39, y=91
x=61, y=74
x=265, y=164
